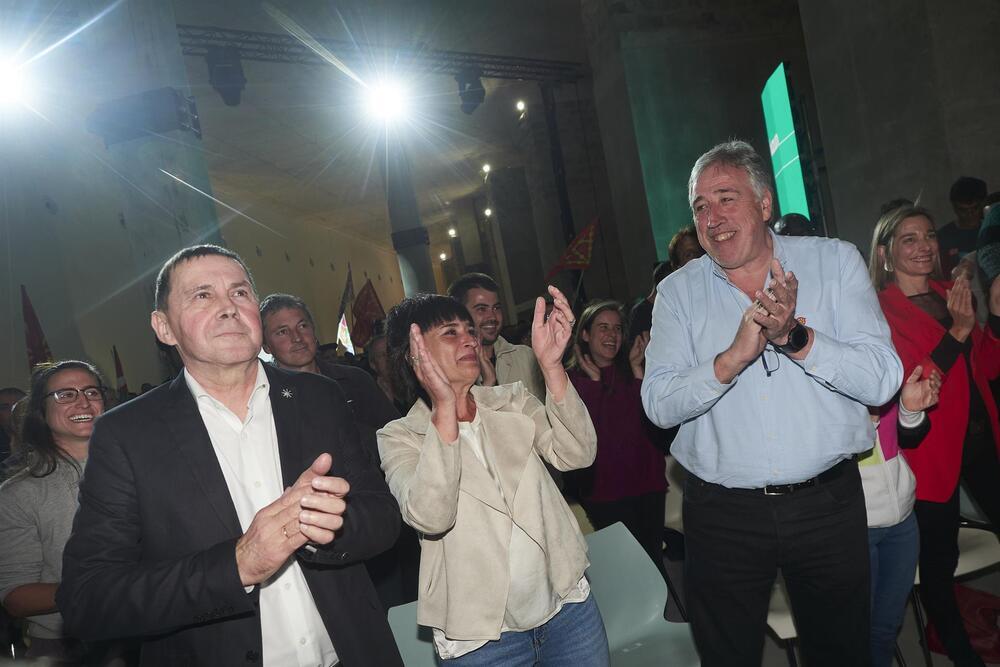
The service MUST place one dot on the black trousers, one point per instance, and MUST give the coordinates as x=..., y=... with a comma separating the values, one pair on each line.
x=737, y=540
x=642, y=515
x=939, y=546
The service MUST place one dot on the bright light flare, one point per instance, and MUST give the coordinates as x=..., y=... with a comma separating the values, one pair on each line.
x=443, y=256
x=486, y=168
x=13, y=85
x=520, y=106
x=452, y=232
x=487, y=212
x=387, y=101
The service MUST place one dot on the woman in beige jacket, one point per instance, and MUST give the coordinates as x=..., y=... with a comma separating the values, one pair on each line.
x=502, y=558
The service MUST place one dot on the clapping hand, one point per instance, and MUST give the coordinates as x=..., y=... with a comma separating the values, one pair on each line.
x=963, y=315
x=311, y=510
x=637, y=355
x=776, y=314
x=549, y=336
x=586, y=364
x=487, y=370
x=429, y=374
x=918, y=395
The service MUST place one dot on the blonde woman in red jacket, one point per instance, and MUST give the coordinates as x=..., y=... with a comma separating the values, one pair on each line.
x=933, y=324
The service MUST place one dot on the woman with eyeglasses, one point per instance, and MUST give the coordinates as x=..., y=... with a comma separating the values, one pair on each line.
x=38, y=502
x=933, y=324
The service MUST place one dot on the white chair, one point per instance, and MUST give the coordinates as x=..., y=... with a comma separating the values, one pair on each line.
x=630, y=592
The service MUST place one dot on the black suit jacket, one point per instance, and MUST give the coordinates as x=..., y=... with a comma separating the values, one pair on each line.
x=152, y=553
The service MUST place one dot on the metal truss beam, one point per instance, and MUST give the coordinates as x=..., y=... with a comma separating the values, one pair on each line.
x=271, y=47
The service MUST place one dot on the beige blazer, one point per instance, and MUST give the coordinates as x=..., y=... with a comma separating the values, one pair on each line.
x=518, y=362
x=449, y=497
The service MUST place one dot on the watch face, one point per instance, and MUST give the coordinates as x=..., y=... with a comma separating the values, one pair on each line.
x=798, y=338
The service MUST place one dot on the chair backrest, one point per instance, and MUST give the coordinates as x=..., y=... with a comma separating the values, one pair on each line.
x=415, y=643
x=629, y=589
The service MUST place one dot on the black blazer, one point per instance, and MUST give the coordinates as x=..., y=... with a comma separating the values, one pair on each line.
x=152, y=553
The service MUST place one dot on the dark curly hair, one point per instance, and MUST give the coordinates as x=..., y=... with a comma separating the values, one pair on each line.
x=40, y=449
x=426, y=311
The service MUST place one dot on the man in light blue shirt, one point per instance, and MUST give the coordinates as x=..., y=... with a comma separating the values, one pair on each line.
x=766, y=352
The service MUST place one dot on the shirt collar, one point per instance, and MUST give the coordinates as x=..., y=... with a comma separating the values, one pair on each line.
x=779, y=251
x=261, y=384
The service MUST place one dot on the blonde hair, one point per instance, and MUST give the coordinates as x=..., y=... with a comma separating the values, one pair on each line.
x=880, y=268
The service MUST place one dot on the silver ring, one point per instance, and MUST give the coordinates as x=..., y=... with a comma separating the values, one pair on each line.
x=284, y=532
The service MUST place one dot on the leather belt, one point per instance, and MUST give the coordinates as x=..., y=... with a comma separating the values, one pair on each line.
x=829, y=475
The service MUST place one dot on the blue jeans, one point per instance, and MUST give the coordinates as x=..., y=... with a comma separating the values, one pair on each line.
x=894, y=552
x=574, y=637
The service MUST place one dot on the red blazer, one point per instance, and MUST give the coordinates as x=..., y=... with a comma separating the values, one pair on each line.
x=937, y=462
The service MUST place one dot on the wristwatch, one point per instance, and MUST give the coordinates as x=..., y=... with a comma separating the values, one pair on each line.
x=798, y=338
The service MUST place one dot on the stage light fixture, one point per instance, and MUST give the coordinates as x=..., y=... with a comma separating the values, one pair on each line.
x=470, y=88
x=520, y=106
x=387, y=101
x=486, y=168
x=13, y=87
x=225, y=73
x=452, y=232
x=487, y=211
x=443, y=256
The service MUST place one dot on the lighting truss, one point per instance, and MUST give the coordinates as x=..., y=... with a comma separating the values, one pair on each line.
x=271, y=47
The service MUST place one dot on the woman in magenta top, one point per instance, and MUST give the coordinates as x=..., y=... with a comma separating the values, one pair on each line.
x=627, y=481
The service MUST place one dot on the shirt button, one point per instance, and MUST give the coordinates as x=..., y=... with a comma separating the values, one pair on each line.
x=257, y=484
x=288, y=586
x=302, y=640
x=763, y=397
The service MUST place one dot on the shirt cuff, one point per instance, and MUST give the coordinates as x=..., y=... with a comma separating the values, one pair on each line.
x=823, y=358
x=908, y=419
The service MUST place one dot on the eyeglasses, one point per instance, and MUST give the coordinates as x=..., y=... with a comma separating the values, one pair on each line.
x=69, y=395
x=770, y=369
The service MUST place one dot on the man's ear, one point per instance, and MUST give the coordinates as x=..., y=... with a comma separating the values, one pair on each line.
x=766, y=203
x=267, y=349
x=161, y=328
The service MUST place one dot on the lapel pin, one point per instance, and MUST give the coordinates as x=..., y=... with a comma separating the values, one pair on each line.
x=286, y=393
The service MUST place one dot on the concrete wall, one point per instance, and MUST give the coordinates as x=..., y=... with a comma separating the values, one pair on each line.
x=907, y=99
x=670, y=81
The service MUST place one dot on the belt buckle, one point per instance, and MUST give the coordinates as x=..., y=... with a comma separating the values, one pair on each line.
x=771, y=489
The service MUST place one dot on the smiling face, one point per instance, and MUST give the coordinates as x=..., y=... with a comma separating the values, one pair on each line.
x=484, y=306
x=72, y=422
x=211, y=315
x=729, y=219
x=604, y=337
x=290, y=336
x=454, y=345
x=914, y=249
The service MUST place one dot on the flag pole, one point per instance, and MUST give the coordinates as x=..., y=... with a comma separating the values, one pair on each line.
x=576, y=292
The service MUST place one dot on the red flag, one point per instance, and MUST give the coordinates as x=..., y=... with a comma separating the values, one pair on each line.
x=38, y=347
x=367, y=311
x=121, y=384
x=577, y=254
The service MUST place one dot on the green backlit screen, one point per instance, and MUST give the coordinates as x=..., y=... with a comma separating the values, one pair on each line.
x=784, y=148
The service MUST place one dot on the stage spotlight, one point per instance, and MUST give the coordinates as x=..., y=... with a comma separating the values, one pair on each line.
x=13, y=87
x=452, y=232
x=487, y=211
x=470, y=88
x=520, y=106
x=486, y=168
x=443, y=256
x=387, y=101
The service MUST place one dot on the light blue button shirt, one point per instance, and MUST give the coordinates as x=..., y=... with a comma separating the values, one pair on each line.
x=808, y=414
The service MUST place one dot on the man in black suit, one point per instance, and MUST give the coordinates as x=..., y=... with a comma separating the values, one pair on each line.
x=290, y=337
x=224, y=517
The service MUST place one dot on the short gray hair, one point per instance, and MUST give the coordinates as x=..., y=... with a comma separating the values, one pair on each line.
x=734, y=153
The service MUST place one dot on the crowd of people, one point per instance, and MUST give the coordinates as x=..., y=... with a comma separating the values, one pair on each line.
x=825, y=412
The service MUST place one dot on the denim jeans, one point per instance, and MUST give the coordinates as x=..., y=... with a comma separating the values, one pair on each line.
x=574, y=637
x=894, y=551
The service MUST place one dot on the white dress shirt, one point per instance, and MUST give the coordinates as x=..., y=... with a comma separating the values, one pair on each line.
x=292, y=630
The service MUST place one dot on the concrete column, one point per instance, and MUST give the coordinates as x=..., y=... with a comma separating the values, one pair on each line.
x=409, y=237
x=907, y=101
x=89, y=225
